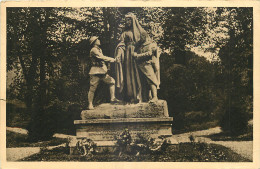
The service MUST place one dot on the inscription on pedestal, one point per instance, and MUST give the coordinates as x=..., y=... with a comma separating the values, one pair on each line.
x=109, y=129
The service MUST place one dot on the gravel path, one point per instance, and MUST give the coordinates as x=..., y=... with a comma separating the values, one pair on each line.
x=14, y=154
x=17, y=130
x=18, y=153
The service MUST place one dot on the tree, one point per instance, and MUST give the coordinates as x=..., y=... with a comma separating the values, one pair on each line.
x=28, y=35
x=49, y=43
x=237, y=60
x=179, y=28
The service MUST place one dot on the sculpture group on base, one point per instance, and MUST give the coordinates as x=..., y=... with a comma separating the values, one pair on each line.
x=137, y=79
x=136, y=66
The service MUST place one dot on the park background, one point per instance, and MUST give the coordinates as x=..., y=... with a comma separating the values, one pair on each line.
x=206, y=65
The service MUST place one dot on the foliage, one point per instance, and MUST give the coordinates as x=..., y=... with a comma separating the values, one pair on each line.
x=192, y=85
x=17, y=115
x=124, y=139
x=142, y=144
x=237, y=71
x=86, y=147
x=234, y=120
x=179, y=28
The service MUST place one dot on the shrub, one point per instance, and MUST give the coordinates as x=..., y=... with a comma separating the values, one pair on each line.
x=193, y=120
x=16, y=115
x=43, y=123
x=142, y=144
x=234, y=120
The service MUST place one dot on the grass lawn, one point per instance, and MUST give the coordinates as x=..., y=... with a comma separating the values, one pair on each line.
x=20, y=140
x=184, y=152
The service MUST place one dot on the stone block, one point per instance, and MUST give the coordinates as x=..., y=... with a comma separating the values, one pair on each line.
x=140, y=110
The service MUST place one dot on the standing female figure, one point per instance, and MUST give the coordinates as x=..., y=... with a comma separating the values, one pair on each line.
x=127, y=76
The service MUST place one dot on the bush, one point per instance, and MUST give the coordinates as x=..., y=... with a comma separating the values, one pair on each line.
x=142, y=144
x=16, y=115
x=65, y=119
x=193, y=120
x=43, y=123
x=234, y=120
x=57, y=117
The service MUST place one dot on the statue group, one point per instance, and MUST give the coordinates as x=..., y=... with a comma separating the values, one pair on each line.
x=135, y=84
x=136, y=59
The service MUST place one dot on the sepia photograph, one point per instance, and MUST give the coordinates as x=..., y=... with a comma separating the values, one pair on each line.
x=129, y=83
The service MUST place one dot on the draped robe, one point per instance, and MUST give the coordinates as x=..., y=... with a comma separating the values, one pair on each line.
x=127, y=75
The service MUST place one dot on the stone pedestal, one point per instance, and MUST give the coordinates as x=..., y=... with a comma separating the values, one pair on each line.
x=107, y=121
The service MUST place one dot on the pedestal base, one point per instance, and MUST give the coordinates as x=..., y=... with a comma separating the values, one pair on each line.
x=109, y=129
x=107, y=122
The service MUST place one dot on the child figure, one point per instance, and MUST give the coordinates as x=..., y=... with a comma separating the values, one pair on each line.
x=98, y=72
x=147, y=59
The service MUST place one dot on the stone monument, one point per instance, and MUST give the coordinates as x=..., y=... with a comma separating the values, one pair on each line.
x=137, y=80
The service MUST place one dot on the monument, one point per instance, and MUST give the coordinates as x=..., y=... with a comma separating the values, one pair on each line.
x=137, y=80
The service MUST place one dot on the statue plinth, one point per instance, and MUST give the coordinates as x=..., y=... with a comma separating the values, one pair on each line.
x=141, y=110
x=108, y=121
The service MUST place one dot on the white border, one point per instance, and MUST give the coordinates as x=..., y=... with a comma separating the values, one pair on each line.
x=130, y=165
